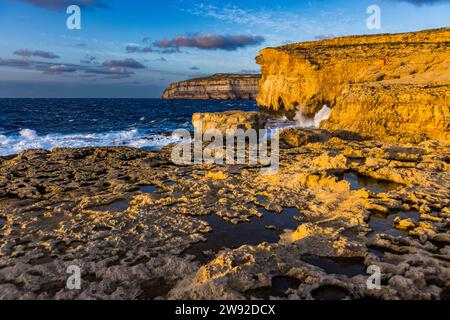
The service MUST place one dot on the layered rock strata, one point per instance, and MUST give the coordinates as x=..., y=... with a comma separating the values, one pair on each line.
x=381, y=85
x=219, y=86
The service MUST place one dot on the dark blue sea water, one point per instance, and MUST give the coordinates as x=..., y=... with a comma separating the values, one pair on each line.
x=144, y=123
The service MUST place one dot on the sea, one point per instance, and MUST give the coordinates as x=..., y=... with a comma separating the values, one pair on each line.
x=141, y=123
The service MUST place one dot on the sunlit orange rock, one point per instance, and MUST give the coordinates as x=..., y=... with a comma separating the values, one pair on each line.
x=379, y=85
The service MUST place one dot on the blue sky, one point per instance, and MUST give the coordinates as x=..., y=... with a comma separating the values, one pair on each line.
x=136, y=48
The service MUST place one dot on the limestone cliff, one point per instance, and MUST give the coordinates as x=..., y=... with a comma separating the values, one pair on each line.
x=219, y=86
x=404, y=112
x=391, y=84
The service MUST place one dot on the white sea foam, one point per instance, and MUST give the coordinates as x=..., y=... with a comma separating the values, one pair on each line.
x=300, y=121
x=30, y=139
x=304, y=122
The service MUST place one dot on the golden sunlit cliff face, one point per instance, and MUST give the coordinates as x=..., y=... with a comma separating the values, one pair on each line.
x=379, y=85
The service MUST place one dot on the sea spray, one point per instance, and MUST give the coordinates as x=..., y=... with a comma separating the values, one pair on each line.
x=323, y=114
x=30, y=139
x=312, y=122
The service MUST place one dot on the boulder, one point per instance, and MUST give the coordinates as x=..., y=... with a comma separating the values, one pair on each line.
x=229, y=121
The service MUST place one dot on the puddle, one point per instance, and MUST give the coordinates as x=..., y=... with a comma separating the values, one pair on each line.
x=148, y=189
x=377, y=252
x=380, y=223
x=348, y=266
x=169, y=183
x=280, y=285
x=445, y=294
x=38, y=213
x=116, y=206
x=358, y=181
x=2, y=221
x=154, y=288
x=52, y=287
x=329, y=292
x=228, y=235
x=42, y=260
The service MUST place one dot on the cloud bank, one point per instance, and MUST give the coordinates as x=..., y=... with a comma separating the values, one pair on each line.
x=26, y=53
x=110, y=69
x=127, y=63
x=210, y=42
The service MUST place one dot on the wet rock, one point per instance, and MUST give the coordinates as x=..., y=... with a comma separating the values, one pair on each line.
x=157, y=239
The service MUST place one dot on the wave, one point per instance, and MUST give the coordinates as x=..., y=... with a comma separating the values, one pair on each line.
x=313, y=122
x=30, y=139
x=300, y=121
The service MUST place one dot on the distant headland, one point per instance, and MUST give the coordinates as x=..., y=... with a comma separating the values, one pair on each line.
x=224, y=86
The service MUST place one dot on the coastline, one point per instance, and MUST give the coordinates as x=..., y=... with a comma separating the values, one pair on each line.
x=364, y=193
x=30, y=123
x=132, y=220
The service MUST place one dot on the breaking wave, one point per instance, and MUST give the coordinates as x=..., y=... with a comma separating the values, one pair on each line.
x=304, y=122
x=30, y=139
x=300, y=121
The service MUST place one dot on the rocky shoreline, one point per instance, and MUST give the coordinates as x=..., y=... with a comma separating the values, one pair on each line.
x=370, y=190
x=137, y=224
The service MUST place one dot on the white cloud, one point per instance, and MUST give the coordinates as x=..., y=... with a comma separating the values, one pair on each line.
x=278, y=25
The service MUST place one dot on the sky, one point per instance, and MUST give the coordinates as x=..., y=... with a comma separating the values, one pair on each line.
x=134, y=49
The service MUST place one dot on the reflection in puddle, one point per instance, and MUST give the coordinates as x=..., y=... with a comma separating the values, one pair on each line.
x=228, y=235
x=280, y=285
x=329, y=293
x=38, y=213
x=169, y=183
x=358, y=181
x=148, y=189
x=42, y=260
x=116, y=206
x=348, y=266
x=381, y=223
x=378, y=252
x=154, y=288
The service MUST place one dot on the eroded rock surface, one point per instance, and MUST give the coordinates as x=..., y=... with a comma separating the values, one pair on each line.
x=219, y=86
x=131, y=220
